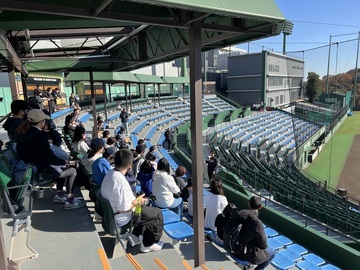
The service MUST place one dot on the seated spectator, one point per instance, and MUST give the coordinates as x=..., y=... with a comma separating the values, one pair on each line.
x=19, y=109
x=215, y=203
x=151, y=152
x=117, y=190
x=152, y=159
x=100, y=127
x=141, y=142
x=178, y=177
x=69, y=128
x=187, y=191
x=122, y=133
x=96, y=150
x=145, y=177
x=75, y=114
x=33, y=147
x=165, y=190
x=80, y=145
x=252, y=233
x=54, y=138
x=110, y=143
x=138, y=159
x=120, y=143
x=102, y=165
x=105, y=135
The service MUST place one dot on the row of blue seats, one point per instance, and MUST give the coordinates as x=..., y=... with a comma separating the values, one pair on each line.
x=142, y=114
x=142, y=108
x=61, y=113
x=171, y=161
x=113, y=117
x=85, y=117
x=139, y=127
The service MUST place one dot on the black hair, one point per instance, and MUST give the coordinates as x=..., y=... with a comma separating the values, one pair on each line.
x=146, y=167
x=105, y=133
x=68, y=119
x=78, y=133
x=216, y=187
x=163, y=165
x=123, y=158
x=18, y=105
x=255, y=202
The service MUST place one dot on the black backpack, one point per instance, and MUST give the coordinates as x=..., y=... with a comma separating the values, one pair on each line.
x=233, y=239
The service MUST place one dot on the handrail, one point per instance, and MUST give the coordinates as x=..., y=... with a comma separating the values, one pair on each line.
x=307, y=218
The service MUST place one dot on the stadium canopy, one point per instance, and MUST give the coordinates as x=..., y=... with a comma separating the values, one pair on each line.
x=109, y=77
x=109, y=35
x=114, y=35
x=175, y=80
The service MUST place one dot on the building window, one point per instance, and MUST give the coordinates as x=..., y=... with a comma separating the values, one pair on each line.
x=296, y=82
x=274, y=68
x=275, y=81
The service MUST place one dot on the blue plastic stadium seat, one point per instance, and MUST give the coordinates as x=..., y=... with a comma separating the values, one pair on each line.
x=179, y=230
x=270, y=232
x=297, y=248
x=283, y=240
x=282, y=262
x=292, y=255
x=170, y=216
x=311, y=257
x=273, y=244
x=307, y=265
x=329, y=267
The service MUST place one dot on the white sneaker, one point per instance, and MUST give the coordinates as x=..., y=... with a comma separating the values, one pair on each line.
x=154, y=247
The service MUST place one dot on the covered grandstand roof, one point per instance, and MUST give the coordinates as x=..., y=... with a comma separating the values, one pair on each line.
x=84, y=35
x=168, y=79
x=109, y=77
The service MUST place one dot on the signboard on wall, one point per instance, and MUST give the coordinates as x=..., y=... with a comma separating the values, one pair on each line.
x=42, y=80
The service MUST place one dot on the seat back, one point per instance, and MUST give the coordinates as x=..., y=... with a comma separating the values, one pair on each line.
x=108, y=222
x=5, y=166
x=9, y=155
x=95, y=188
x=24, y=184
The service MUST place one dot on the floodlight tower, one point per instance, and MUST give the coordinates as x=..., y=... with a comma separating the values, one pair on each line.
x=287, y=30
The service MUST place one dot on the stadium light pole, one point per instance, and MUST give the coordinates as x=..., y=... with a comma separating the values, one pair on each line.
x=328, y=67
x=287, y=30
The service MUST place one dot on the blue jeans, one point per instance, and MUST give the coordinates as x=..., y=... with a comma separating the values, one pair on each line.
x=177, y=206
x=263, y=265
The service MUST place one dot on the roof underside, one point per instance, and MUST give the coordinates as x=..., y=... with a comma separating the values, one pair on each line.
x=113, y=35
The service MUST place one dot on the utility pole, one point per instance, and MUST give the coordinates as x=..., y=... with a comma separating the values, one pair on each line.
x=356, y=69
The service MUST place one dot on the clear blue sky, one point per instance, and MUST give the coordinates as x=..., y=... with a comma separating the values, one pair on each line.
x=314, y=22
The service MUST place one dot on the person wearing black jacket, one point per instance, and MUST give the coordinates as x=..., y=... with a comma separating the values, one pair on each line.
x=212, y=164
x=19, y=109
x=253, y=235
x=33, y=147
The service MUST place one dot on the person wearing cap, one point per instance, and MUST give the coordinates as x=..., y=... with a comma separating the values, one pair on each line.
x=102, y=165
x=97, y=146
x=19, y=109
x=257, y=250
x=116, y=189
x=33, y=147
